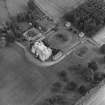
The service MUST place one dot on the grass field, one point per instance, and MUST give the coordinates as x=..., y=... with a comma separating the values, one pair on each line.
x=20, y=81
x=54, y=8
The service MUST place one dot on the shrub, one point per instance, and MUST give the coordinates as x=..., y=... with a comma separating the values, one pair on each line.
x=62, y=75
x=93, y=65
x=55, y=51
x=70, y=86
x=10, y=37
x=21, y=17
x=82, y=90
x=87, y=74
x=50, y=101
x=34, y=9
x=98, y=76
x=59, y=100
x=31, y=4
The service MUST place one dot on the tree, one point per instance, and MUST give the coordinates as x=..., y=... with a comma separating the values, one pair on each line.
x=82, y=90
x=70, y=86
x=31, y=4
x=24, y=16
x=93, y=65
x=50, y=101
x=86, y=17
x=87, y=74
x=99, y=76
x=10, y=37
x=58, y=99
x=102, y=49
x=69, y=17
x=62, y=75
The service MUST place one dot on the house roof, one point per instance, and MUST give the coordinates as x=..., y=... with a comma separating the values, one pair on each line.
x=42, y=51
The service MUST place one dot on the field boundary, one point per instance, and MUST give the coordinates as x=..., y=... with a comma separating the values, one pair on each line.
x=89, y=94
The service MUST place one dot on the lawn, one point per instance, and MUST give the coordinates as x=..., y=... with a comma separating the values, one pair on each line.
x=62, y=39
x=92, y=53
x=20, y=81
x=83, y=54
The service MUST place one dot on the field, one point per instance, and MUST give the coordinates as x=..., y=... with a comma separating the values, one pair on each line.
x=54, y=8
x=69, y=64
x=24, y=83
x=21, y=81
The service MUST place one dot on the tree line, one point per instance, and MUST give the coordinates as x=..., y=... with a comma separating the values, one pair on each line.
x=89, y=17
